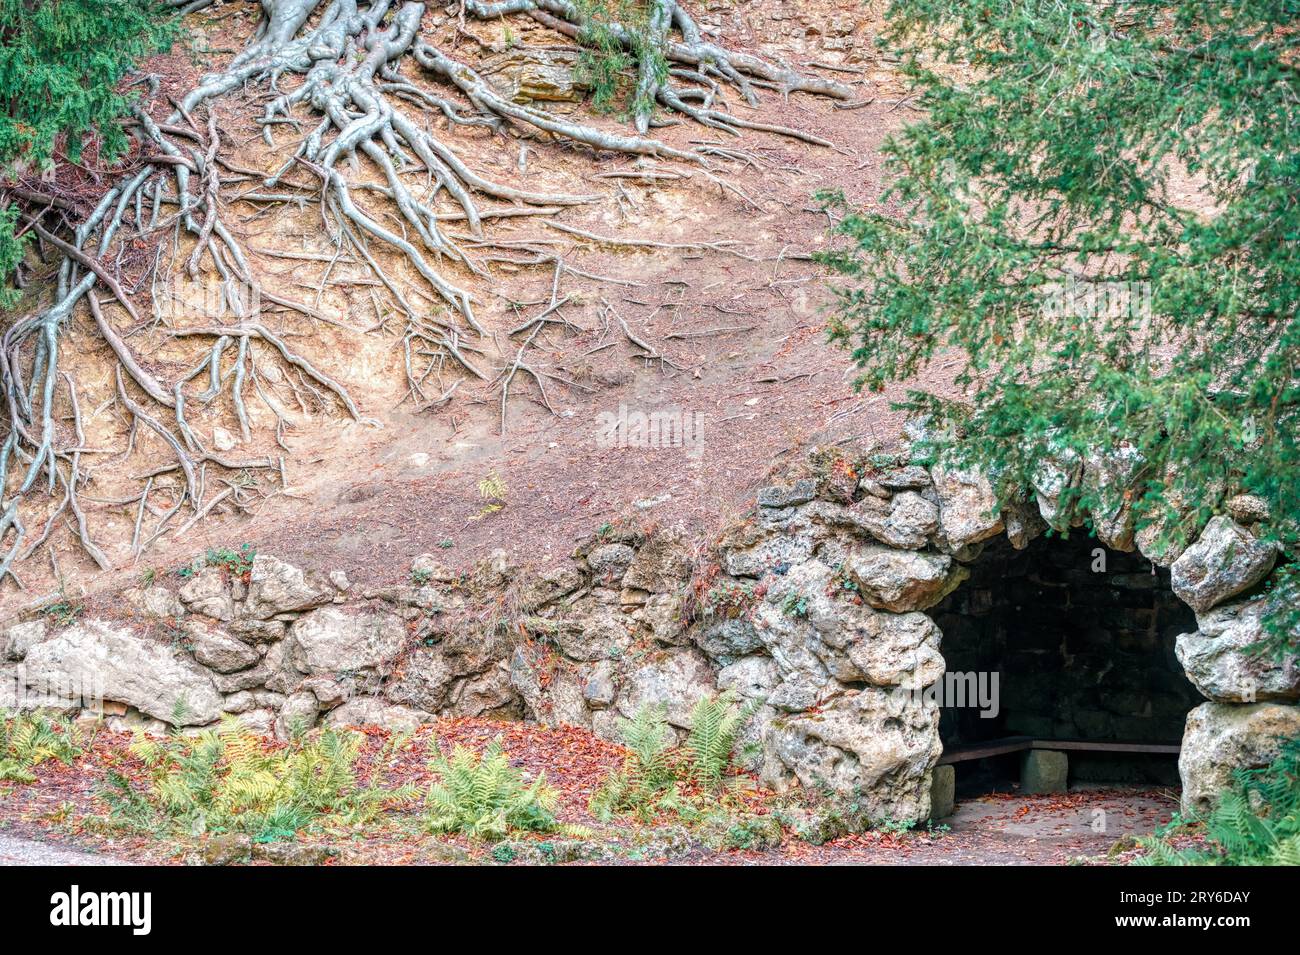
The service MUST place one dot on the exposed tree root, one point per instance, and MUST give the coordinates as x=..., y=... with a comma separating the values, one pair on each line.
x=331, y=69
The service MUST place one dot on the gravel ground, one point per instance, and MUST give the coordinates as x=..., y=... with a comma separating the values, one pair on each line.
x=15, y=851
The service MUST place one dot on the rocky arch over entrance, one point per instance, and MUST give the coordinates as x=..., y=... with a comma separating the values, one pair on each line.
x=861, y=582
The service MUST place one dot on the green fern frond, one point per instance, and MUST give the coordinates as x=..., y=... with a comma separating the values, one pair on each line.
x=1256, y=821
x=29, y=739
x=716, y=722
x=484, y=797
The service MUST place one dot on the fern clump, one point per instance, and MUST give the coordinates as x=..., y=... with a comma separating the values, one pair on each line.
x=27, y=740
x=228, y=780
x=651, y=776
x=716, y=721
x=1255, y=822
x=485, y=797
x=648, y=773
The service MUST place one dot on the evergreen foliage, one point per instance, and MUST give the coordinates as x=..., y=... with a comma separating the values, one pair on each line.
x=61, y=66
x=647, y=774
x=716, y=721
x=1096, y=213
x=651, y=776
x=607, y=56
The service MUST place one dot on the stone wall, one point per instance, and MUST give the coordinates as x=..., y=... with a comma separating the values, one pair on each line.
x=816, y=608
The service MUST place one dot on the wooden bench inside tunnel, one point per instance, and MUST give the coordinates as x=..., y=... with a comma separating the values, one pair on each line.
x=1044, y=763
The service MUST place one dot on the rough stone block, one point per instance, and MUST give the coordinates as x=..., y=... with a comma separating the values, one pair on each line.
x=1043, y=771
x=943, y=787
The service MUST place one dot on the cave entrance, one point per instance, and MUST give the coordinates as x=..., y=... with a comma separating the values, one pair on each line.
x=1061, y=668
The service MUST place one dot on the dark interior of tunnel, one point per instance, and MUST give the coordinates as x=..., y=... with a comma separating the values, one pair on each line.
x=1081, y=639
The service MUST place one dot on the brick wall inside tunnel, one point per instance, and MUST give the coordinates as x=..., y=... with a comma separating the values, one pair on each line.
x=1082, y=641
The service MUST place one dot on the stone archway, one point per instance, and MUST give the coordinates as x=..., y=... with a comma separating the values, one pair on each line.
x=1060, y=663
x=854, y=573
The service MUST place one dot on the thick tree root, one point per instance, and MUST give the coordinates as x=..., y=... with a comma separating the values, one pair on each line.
x=340, y=63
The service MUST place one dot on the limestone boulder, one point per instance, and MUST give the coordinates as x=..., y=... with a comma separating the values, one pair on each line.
x=487, y=693
x=811, y=624
x=754, y=558
x=1217, y=662
x=877, y=746
x=208, y=593
x=567, y=703
x=561, y=700
x=271, y=669
x=218, y=650
x=903, y=581
x=1247, y=509
x=803, y=688
x=276, y=587
x=888, y=649
x=1226, y=560
x=1169, y=530
x=17, y=697
x=788, y=495
x=17, y=639
x=1023, y=523
x=1222, y=737
x=610, y=559
x=257, y=631
x=297, y=715
x=159, y=601
x=329, y=693
x=549, y=586
x=526, y=76
x=968, y=511
x=245, y=700
x=664, y=615
x=527, y=666
x=727, y=640
x=1108, y=478
x=331, y=640
x=910, y=477
x=601, y=686
x=1051, y=480
x=674, y=680
x=792, y=620
x=906, y=520
x=259, y=721
x=365, y=711
x=662, y=564
x=752, y=678
x=423, y=681
x=103, y=661
x=601, y=635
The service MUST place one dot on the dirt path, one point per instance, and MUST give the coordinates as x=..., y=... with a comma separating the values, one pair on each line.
x=16, y=851
x=1005, y=829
